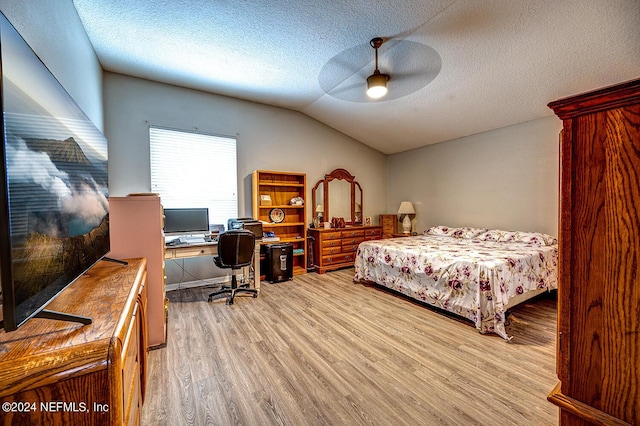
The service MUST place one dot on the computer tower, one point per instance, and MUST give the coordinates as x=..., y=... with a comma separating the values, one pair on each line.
x=279, y=262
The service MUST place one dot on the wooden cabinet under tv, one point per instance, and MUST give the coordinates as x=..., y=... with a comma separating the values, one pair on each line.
x=63, y=373
x=274, y=190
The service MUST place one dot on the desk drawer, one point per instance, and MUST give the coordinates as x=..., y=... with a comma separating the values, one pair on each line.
x=177, y=253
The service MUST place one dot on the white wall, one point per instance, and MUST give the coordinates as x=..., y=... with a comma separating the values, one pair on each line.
x=505, y=178
x=269, y=138
x=54, y=31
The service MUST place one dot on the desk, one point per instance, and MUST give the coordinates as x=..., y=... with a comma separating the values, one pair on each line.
x=210, y=249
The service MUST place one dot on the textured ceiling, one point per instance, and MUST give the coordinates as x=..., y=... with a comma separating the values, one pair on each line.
x=458, y=67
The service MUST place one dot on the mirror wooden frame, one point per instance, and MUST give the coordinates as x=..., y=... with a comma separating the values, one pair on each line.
x=339, y=174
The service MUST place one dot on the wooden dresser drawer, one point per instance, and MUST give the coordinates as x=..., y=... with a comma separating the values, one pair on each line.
x=350, y=248
x=352, y=233
x=376, y=232
x=331, y=250
x=339, y=258
x=331, y=243
x=131, y=368
x=352, y=241
x=335, y=235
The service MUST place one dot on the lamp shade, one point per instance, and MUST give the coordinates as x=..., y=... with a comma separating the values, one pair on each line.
x=406, y=207
x=319, y=209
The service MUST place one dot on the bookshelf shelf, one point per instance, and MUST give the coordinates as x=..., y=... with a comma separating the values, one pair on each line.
x=281, y=188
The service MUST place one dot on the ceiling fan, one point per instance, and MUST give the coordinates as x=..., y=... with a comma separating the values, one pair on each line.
x=408, y=67
x=377, y=82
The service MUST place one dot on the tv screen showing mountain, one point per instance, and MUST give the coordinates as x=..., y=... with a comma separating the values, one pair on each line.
x=54, y=210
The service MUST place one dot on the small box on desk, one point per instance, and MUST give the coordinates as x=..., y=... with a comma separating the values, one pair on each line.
x=278, y=262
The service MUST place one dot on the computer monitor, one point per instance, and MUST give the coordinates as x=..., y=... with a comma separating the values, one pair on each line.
x=186, y=221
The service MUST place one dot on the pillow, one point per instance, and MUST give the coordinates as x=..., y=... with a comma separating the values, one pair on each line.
x=492, y=235
x=446, y=231
x=535, y=238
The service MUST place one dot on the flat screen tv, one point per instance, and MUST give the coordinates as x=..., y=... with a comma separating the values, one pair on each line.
x=54, y=211
x=186, y=221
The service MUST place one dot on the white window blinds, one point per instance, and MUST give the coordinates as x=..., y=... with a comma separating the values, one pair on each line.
x=191, y=169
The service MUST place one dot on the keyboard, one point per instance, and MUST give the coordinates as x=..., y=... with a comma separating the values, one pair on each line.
x=194, y=240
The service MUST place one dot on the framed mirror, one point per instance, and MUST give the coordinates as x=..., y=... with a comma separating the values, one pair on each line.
x=338, y=195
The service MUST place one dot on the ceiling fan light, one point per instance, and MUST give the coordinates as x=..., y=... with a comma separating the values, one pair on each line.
x=377, y=85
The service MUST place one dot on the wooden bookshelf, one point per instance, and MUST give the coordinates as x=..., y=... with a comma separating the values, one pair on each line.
x=281, y=187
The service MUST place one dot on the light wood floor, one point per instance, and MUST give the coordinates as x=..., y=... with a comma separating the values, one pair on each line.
x=321, y=350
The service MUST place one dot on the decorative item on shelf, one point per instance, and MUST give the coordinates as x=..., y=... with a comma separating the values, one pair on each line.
x=338, y=222
x=297, y=201
x=367, y=221
x=265, y=200
x=269, y=236
x=406, y=209
x=276, y=215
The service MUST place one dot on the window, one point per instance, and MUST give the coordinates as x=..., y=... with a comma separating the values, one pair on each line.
x=190, y=169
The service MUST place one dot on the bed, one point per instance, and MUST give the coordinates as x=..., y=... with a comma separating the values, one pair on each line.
x=472, y=272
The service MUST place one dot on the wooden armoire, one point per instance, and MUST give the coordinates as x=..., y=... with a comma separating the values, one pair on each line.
x=598, y=347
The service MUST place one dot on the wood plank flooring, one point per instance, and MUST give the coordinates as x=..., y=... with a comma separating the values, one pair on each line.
x=321, y=350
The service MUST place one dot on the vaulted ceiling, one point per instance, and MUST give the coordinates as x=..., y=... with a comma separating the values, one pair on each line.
x=457, y=67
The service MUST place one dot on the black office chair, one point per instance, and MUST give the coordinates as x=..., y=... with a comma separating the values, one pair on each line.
x=235, y=251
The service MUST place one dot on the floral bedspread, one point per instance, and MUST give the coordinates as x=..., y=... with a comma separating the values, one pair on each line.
x=471, y=277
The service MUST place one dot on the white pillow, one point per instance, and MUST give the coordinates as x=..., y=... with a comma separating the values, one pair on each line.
x=445, y=231
x=535, y=238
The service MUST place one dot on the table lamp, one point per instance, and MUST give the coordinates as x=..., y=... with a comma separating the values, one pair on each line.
x=406, y=209
x=319, y=212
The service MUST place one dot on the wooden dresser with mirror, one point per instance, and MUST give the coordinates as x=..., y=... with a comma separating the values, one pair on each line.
x=338, y=195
